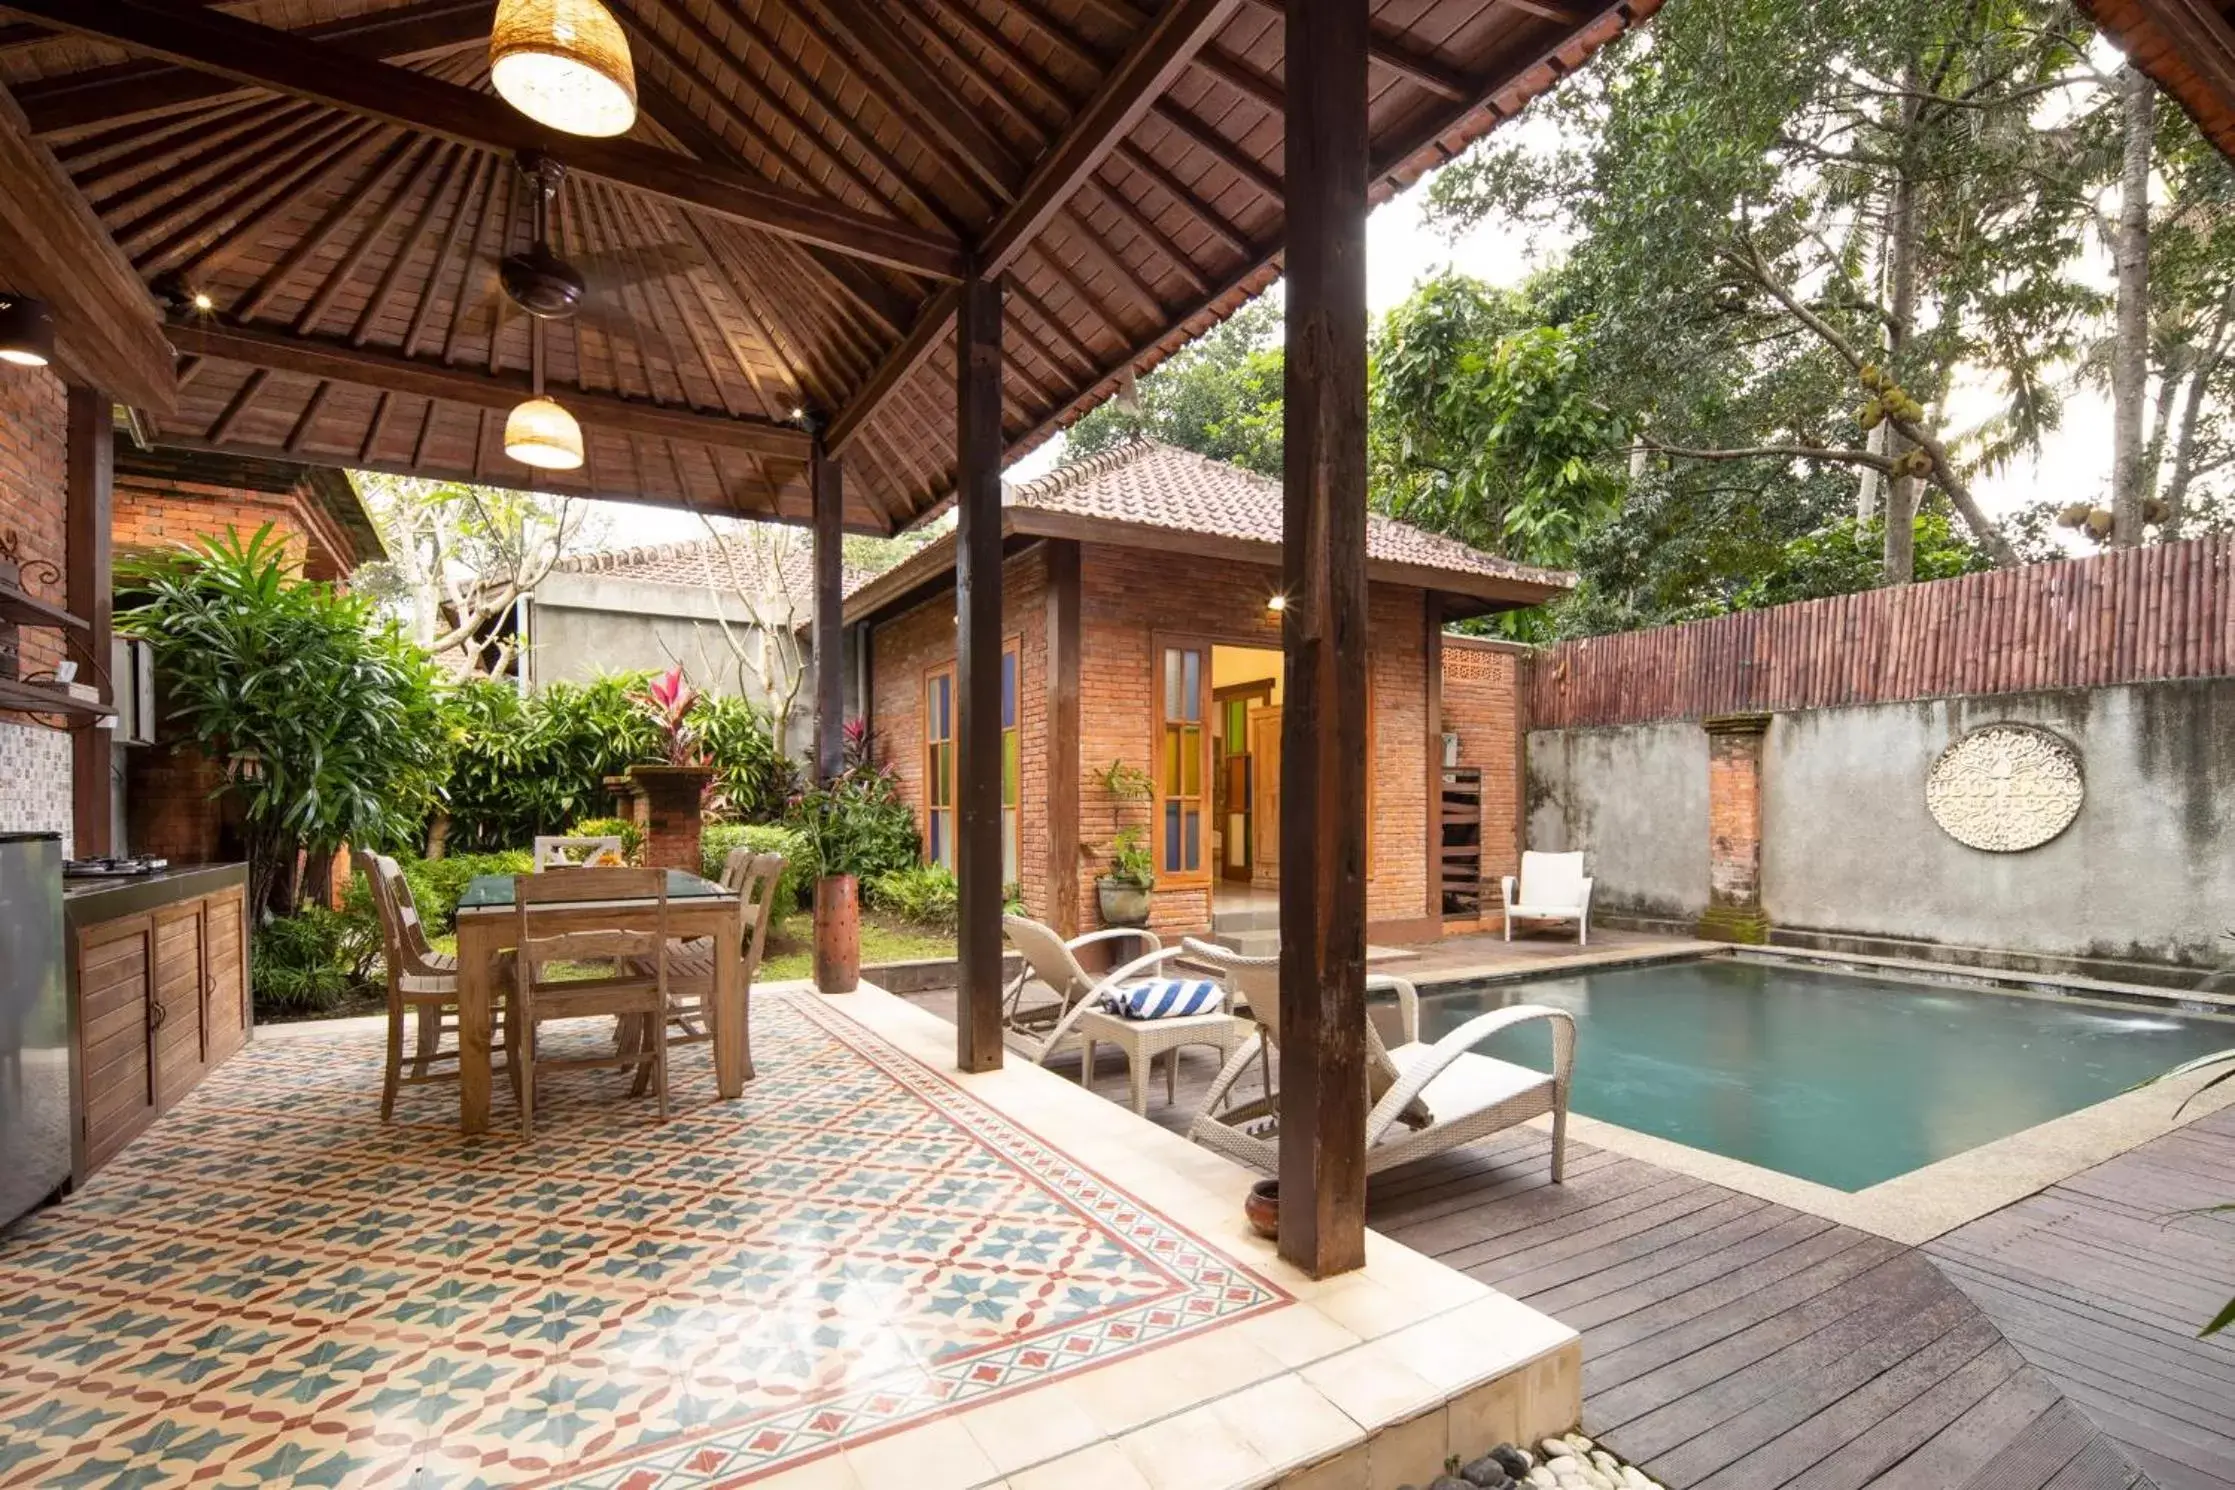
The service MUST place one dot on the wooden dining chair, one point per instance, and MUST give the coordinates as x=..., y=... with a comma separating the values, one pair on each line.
x=423, y=984
x=571, y=918
x=752, y=878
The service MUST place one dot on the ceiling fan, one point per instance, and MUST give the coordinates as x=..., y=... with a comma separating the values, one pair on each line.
x=538, y=281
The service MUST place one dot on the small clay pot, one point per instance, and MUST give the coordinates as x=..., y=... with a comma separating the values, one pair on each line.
x=1262, y=1208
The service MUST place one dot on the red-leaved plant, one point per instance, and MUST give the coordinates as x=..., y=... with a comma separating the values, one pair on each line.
x=668, y=699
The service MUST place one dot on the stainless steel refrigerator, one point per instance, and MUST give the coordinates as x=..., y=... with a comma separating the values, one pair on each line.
x=34, y=1024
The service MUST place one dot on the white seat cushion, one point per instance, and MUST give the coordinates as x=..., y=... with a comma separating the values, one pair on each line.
x=1472, y=1083
x=1549, y=912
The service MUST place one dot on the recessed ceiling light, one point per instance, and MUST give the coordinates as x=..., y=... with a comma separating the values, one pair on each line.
x=203, y=302
x=26, y=331
x=1277, y=603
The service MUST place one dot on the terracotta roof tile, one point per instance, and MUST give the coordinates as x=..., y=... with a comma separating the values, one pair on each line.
x=702, y=563
x=1151, y=484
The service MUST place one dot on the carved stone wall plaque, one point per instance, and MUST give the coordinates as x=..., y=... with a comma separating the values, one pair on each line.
x=2005, y=788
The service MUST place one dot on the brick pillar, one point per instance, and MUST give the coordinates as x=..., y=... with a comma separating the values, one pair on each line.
x=1734, y=829
x=669, y=801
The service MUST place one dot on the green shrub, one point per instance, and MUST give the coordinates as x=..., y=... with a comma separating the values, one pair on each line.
x=301, y=963
x=793, y=889
x=754, y=778
x=625, y=829
x=923, y=895
x=858, y=824
x=436, y=884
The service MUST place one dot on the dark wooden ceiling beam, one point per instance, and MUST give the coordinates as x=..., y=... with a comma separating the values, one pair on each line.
x=129, y=92
x=304, y=357
x=922, y=93
x=1127, y=94
x=258, y=55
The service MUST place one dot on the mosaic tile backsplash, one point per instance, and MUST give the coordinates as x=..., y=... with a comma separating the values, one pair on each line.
x=35, y=781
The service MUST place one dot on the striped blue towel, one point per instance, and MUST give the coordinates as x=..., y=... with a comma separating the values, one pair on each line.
x=1164, y=998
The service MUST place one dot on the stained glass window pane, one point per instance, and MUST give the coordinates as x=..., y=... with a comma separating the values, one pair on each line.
x=1190, y=777
x=1171, y=684
x=1009, y=871
x=1008, y=690
x=1191, y=686
x=1172, y=845
x=1192, y=834
x=1009, y=768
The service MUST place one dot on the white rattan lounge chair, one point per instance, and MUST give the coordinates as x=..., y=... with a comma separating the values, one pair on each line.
x=1424, y=1099
x=1048, y=1025
x=1553, y=887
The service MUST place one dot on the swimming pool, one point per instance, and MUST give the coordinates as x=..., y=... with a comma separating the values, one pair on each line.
x=1840, y=1078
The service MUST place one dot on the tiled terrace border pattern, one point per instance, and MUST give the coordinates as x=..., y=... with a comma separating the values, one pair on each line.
x=866, y=1272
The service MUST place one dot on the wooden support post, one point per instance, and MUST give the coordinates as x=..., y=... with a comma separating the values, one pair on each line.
x=1323, y=724
x=827, y=479
x=90, y=456
x=978, y=672
x=1062, y=909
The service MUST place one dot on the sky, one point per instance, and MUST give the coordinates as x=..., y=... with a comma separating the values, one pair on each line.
x=1402, y=249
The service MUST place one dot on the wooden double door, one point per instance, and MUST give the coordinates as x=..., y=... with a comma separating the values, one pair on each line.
x=162, y=998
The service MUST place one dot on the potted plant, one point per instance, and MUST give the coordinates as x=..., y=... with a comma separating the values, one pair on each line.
x=820, y=814
x=673, y=790
x=1123, y=889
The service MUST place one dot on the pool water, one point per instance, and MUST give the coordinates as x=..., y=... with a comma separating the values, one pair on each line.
x=1839, y=1078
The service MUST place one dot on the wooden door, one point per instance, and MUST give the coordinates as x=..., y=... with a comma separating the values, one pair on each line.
x=180, y=989
x=116, y=1036
x=225, y=1009
x=1264, y=752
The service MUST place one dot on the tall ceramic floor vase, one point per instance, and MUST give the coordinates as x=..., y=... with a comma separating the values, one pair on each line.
x=837, y=933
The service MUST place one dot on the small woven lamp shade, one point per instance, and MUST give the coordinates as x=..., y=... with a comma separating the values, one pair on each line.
x=564, y=63
x=540, y=433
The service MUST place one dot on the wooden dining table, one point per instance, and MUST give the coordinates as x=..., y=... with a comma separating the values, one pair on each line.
x=488, y=928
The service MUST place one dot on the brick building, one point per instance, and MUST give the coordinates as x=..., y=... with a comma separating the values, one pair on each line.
x=1142, y=628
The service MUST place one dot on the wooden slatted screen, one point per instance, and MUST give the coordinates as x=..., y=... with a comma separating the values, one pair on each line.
x=2158, y=612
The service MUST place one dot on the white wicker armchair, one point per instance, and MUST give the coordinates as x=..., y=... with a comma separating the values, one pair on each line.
x=1552, y=887
x=1425, y=1098
x=1044, y=1027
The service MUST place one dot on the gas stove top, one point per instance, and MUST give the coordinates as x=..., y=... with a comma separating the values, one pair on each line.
x=113, y=868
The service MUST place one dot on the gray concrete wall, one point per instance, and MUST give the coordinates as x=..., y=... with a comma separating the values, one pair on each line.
x=1634, y=800
x=2145, y=873
x=585, y=625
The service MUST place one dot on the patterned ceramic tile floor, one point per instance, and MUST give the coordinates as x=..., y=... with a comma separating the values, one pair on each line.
x=271, y=1287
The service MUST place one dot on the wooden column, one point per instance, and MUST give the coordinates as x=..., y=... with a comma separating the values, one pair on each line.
x=1323, y=724
x=978, y=672
x=826, y=477
x=90, y=484
x=1062, y=909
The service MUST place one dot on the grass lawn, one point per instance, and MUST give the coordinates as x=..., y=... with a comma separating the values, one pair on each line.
x=790, y=952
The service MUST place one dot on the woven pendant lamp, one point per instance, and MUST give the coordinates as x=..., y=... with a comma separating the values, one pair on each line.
x=565, y=64
x=539, y=432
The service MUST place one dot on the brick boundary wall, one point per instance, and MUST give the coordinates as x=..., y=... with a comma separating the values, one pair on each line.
x=2124, y=617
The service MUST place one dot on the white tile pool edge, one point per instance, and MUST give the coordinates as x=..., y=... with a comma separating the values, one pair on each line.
x=1927, y=1203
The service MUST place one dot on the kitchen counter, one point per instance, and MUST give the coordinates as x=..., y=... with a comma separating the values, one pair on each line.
x=85, y=901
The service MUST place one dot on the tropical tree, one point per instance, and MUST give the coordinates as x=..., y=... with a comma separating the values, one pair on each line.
x=1485, y=424
x=330, y=724
x=1796, y=225
x=461, y=558
x=1220, y=396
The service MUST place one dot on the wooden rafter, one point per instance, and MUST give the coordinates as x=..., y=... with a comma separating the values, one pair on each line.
x=319, y=358
x=249, y=53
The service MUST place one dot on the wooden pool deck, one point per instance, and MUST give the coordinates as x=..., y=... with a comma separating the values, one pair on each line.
x=1730, y=1343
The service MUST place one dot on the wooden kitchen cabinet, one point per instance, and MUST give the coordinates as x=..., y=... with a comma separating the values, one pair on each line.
x=160, y=986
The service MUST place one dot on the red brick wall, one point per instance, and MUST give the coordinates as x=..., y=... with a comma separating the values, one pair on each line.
x=1483, y=687
x=161, y=513
x=904, y=650
x=34, y=419
x=1126, y=601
